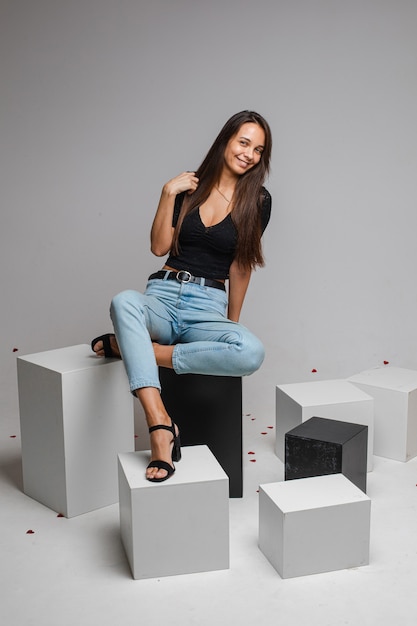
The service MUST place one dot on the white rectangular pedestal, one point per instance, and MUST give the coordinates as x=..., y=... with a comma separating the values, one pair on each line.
x=76, y=415
x=179, y=526
x=331, y=399
x=314, y=525
x=394, y=391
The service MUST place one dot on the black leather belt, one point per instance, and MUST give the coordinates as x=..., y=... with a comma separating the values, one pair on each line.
x=185, y=277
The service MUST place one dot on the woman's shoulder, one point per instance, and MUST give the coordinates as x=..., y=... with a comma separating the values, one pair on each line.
x=266, y=201
x=266, y=196
x=179, y=199
x=265, y=207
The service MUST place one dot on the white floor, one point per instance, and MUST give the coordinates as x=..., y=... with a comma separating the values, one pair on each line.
x=74, y=572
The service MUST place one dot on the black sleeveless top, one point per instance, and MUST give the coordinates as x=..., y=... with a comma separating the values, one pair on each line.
x=209, y=251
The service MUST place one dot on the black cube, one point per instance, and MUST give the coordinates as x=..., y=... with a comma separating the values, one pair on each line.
x=208, y=411
x=322, y=446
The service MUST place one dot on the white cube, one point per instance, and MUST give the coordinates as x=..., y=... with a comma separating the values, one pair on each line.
x=314, y=525
x=76, y=415
x=331, y=399
x=179, y=526
x=394, y=391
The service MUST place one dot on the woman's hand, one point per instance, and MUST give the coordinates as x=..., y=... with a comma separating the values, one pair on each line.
x=187, y=181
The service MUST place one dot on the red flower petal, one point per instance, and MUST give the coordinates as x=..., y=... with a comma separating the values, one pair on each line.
x=60, y=515
x=264, y=433
x=253, y=460
x=386, y=362
x=12, y=436
x=251, y=453
x=270, y=427
x=30, y=532
x=314, y=370
x=15, y=349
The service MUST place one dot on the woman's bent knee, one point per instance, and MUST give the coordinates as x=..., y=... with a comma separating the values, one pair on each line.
x=123, y=301
x=252, y=356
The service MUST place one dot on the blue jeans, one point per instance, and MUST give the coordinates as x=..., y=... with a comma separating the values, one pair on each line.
x=191, y=317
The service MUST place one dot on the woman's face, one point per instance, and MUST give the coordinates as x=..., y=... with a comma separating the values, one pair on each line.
x=244, y=150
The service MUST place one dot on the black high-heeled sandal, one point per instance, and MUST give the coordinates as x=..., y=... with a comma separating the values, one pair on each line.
x=108, y=352
x=175, y=454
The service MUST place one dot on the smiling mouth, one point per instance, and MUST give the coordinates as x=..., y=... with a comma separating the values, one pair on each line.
x=242, y=163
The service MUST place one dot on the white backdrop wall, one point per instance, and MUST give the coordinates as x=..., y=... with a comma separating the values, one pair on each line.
x=102, y=101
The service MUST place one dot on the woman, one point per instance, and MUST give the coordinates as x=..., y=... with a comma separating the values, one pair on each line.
x=210, y=223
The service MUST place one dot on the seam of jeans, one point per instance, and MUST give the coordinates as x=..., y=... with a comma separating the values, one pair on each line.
x=140, y=384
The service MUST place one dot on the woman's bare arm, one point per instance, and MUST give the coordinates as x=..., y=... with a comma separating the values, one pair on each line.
x=238, y=284
x=162, y=230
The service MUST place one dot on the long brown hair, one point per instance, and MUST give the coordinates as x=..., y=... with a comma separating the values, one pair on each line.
x=247, y=197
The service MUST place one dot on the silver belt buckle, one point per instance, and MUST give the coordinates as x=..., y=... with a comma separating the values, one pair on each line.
x=180, y=276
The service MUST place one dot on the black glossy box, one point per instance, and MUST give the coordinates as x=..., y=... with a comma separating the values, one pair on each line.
x=322, y=446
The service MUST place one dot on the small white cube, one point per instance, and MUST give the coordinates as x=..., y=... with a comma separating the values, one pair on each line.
x=179, y=526
x=313, y=525
x=394, y=391
x=76, y=415
x=331, y=399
